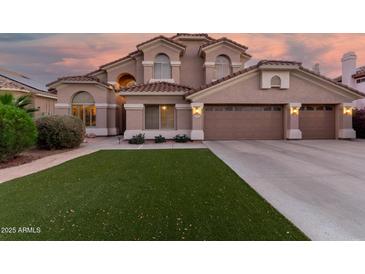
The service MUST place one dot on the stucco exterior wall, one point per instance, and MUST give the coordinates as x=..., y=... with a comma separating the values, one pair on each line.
x=105, y=102
x=115, y=72
x=192, y=73
x=246, y=89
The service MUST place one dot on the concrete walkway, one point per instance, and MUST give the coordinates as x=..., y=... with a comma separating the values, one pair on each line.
x=93, y=145
x=317, y=184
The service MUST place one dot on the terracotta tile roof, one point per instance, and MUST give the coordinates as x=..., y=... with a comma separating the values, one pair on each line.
x=278, y=62
x=78, y=78
x=224, y=39
x=163, y=38
x=271, y=62
x=205, y=35
x=157, y=87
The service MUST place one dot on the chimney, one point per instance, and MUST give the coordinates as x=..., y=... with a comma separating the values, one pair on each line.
x=348, y=68
x=316, y=68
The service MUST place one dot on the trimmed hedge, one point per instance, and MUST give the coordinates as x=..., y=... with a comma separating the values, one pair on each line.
x=17, y=131
x=358, y=121
x=57, y=132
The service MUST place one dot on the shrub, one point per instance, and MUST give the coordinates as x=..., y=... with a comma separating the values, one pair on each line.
x=17, y=131
x=160, y=139
x=137, y=139
x=181, y=138
x=359, y=122
x=57, y=132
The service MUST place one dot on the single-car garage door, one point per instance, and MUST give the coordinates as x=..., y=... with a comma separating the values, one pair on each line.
x=317, y=121
x=229, y=122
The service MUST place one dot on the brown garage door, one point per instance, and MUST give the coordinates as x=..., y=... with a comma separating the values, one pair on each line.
x=317, y=121
x=227, y=122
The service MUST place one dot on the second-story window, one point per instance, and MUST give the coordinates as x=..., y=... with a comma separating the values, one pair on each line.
x=222, y=66
x=162, y=67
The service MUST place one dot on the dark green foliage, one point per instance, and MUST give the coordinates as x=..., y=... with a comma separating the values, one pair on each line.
x=359, y=122
x=181, y=138
x=137, y=139
x=160, y=139
x=141, y=195
x=17, y=131
x=57, y=132
x=23, y=102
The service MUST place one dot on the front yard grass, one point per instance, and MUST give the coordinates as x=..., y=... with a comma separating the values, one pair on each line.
x=139, y=195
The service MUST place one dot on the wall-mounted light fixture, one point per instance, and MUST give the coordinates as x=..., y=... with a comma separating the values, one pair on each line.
x=197, y=111
x=164, y=107
x=294, y=110
x=347, y=110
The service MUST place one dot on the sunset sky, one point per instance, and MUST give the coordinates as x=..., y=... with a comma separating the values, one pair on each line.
x=44, y=57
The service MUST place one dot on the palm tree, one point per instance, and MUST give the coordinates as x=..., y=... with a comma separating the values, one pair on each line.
x=22, y=102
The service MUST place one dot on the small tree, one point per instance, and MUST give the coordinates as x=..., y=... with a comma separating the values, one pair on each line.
x=17, y=131
x=23, y=102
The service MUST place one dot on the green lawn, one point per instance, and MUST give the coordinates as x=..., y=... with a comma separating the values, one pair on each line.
x=140, y=195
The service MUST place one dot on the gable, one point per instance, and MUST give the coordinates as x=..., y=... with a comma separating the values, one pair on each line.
x=246, y=89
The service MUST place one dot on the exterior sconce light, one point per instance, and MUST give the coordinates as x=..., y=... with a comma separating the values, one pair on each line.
x=294, y=111
x=197, y=111
x=347, y=110
x=164, y=107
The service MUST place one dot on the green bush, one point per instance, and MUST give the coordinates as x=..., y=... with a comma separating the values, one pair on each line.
x=160, y=139
x=17, y=131
x=137, y=139
x=57, y=132
x=181, y=138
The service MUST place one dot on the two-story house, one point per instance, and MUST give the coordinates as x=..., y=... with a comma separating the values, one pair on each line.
x=196, y=85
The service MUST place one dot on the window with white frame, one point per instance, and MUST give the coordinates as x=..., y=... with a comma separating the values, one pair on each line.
x=162, y=67
x=159, y=117
x=275, y=82
x=222, y=66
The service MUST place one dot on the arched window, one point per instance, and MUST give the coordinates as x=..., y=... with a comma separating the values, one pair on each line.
x=162, y=67
x=275, y=82
x=83, y=106
x=222, y=66
x=126, y=80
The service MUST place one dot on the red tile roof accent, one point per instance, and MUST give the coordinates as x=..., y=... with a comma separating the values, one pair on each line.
x=271, y=62
x=78, y=78
x=163, y=38
x=157, y=87
x=223, y=39
x=205, y=35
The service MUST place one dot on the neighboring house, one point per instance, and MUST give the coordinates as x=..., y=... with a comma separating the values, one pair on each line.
x=195, y=85
x=18, y=85
x=353, y=76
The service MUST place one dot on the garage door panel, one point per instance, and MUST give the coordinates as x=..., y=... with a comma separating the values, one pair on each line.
x=243, y=122
x=317, y=121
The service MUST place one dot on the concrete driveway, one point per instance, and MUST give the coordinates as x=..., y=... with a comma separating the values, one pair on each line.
x=317, y=184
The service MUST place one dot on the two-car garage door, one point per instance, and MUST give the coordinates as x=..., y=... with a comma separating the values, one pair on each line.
x=229, y=122
x=224, y=122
